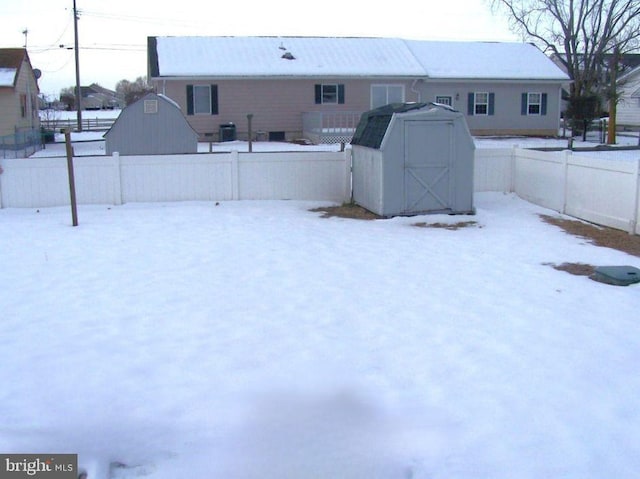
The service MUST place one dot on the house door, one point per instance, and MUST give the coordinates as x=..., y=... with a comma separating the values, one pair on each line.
x=428, y=162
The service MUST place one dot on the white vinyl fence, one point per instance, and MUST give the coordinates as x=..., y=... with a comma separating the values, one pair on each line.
x=601, y=191
x=43, y=182
x=605, y=192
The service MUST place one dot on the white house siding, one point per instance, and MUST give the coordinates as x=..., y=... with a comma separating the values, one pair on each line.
x=11, y=118
x=507, y=117
x=628, y=109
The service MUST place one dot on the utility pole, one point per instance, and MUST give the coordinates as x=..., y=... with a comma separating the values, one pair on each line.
x=78, y=92
x=613, y=97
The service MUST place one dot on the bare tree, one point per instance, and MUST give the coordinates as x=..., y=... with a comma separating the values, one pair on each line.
x=133, y=91
x=582, y=35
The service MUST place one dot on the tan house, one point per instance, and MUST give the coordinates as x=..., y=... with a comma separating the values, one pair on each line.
x=317, y=87
x=18, y=93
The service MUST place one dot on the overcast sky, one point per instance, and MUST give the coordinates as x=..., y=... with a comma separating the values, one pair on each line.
x=112, y=34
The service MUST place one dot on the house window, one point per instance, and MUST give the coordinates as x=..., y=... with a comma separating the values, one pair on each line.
x=329, y=94
x=444, y=100
x=481, y=103
x=385, y=94
x=534, y=101
x=23, y=105
x=202, y=99
x=534, y=104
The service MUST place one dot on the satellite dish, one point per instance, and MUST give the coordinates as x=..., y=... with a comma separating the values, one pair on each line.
x=37, y=73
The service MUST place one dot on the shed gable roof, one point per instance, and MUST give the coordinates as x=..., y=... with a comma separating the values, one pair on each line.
x=345, y=57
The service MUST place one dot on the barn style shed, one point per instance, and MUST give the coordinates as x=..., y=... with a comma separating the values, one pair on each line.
x=153, y=125
x=413, y=158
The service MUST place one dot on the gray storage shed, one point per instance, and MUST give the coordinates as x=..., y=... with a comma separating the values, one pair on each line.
x=153, y=125
x=413, y=158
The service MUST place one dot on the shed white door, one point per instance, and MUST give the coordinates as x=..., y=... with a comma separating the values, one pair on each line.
x=428, y=163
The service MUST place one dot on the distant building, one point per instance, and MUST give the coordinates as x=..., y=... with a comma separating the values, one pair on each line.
x=18, y=92
x=299, y=86
x=95, y=97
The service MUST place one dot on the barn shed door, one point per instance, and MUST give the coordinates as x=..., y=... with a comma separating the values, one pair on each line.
x=428, y=163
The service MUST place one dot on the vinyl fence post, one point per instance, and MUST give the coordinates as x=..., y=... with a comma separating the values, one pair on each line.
x=565, y=179
x=235, y=180
x=117, y=175
x=633, y=224
x=514, y=165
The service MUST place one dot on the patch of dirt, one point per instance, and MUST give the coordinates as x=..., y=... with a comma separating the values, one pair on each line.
x=447, y=226
x=598, y=235
x=347, y=210
x=577, y=269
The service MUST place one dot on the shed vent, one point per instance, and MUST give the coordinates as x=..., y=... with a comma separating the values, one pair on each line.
x=151, y=106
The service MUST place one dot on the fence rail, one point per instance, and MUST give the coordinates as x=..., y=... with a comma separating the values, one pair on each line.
x=329, y=127
x=21, y=144
x=43, y=182
x=88, y=124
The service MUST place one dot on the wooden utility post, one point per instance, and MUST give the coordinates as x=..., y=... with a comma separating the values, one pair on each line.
x=249, y=121
x=72, y=181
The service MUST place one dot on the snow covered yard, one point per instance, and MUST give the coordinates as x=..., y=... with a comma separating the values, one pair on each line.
x=260, y=340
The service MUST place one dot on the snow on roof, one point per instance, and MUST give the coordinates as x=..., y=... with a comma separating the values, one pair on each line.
x=267, y=56
x=485, y=60
x=7, y=76
x=347, y=56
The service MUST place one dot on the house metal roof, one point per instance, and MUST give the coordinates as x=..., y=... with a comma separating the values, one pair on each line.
x=346, y=57
x=10, y=62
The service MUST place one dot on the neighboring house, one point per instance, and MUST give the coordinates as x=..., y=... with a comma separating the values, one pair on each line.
x=315, y=86
x=95, y=97
x=18, y=93
x=153, y=125
x=628, y=108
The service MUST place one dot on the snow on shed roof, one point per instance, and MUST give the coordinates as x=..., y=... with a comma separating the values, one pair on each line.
x=346, y=56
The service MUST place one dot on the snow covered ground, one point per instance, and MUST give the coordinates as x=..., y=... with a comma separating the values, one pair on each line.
x=247, y=340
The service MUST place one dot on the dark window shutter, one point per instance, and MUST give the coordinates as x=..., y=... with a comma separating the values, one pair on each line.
x=543, y=107
x=214, y=99
x=470, y=103
x=524, y=104
x=189, y=99
x=492, y=103
x=341, y=93
x=318, y=94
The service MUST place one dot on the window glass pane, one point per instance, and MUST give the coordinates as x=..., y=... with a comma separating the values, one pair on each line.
x=378, y=96
x=201, y=99
x=329, y=93
x=395, y=94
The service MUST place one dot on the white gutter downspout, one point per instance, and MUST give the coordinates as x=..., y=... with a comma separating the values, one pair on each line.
x=413, y=88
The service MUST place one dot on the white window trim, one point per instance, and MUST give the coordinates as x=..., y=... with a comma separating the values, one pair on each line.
x=476, y=103
x=450, y=97
x=322, y=87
